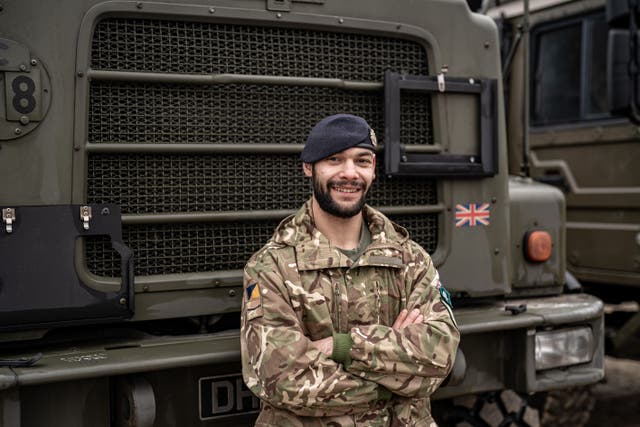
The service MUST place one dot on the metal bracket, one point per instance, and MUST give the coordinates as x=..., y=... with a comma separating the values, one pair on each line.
x=9, y=217
x=442, y=87
x=85, y=216
x=285, y=5
x=397, y=162
x=279, y=5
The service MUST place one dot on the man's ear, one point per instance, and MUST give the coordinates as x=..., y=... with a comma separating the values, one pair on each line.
x=307, y=168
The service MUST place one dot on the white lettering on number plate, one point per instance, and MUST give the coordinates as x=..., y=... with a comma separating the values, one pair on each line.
x=225, y=395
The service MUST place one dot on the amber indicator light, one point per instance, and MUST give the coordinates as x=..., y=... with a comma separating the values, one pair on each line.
x=538, y=246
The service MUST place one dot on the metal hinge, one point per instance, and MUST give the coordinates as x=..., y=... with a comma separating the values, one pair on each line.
x=441, y=83
x=9, y=217
x=85, y=216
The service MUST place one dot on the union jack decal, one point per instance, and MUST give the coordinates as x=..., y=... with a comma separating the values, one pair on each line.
x=472, y=214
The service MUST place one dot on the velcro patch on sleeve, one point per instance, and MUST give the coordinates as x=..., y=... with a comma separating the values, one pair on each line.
x=445, y=296
x=253, y=301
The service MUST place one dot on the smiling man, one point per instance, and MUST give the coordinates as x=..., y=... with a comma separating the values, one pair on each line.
x=344, y=319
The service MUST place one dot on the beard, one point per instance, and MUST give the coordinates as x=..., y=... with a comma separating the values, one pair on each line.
x=330, y=206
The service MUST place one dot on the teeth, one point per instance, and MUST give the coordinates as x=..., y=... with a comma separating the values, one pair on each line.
x=346, y=190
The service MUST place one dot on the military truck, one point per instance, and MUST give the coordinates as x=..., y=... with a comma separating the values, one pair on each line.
x=575, y=91
x=147, y=149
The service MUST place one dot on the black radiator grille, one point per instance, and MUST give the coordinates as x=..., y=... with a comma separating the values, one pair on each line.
x=203, y=247
x=165, y=183
x=123, y=44
x=163, y=113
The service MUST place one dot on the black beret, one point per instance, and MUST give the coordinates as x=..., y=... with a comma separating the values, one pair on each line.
x=337, y=133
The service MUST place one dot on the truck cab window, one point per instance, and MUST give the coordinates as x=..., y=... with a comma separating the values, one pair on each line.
x=569, y=71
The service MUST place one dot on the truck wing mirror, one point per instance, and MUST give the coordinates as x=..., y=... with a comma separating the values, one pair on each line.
x=623, y=58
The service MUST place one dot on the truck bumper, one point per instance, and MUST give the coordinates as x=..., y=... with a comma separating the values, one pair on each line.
x=497, y=349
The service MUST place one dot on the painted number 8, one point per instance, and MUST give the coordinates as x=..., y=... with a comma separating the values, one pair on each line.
x=23, y=101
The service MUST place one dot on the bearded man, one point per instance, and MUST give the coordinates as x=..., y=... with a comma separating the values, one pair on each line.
x=344, y=320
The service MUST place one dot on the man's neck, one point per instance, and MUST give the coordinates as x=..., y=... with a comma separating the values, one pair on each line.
x=343, y=233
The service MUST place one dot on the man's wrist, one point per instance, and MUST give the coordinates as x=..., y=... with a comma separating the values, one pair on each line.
x=342, y=344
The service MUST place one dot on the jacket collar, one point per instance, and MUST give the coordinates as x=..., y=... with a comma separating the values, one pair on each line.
x=314, y=251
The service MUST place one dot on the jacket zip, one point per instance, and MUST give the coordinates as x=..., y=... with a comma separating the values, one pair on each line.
x=337, y=296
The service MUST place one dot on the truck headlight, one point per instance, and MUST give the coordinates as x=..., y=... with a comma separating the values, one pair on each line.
x=563, y=347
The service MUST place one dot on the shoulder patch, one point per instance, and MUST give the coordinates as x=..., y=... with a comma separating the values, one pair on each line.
x=445, y=296
x=253, y=301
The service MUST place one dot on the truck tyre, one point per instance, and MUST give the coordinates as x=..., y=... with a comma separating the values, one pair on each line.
x=557, y=408
x=567, y=407
x=490, y=409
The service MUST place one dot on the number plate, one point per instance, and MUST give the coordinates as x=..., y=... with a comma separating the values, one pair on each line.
x=224, y=396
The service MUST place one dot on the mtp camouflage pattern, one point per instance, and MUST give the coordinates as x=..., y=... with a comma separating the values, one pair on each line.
x=300, y=289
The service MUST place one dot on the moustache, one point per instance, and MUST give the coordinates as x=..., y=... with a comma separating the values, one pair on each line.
x=344, y=183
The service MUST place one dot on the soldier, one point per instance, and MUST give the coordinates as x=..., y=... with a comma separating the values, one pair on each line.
x=344, y=319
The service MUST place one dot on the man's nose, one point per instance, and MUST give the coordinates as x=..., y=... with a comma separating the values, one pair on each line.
x=349, y=170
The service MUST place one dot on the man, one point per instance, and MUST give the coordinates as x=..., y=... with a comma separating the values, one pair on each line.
x=344, y=320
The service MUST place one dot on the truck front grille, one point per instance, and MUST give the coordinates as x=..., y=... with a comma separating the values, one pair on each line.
x=139, y=112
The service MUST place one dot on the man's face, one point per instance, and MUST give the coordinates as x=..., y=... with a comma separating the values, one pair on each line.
x=341, y=181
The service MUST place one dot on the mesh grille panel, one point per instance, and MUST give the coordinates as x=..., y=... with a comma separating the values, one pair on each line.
x=159, y=113
x=182, y=248
x=124, y=44
x=164, y=183
x=237, y=113
x=189, y=248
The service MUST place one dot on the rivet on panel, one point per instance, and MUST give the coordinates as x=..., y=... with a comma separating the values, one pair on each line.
x=34, y=62
x=212, y=10
x=232, y=292
x=23, y=67
x=341, y=21
x=123, y=301
x=17, y=131
x=487, y=45
x=139, y=5
x=278, y=15
x=496, y=251
x=24, y=120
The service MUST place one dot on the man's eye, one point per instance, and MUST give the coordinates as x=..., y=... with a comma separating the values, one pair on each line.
x=365, y=161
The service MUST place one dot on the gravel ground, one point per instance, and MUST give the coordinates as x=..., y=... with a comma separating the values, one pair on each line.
x=618, y=395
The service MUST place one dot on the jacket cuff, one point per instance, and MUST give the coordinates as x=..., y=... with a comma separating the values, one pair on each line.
x=341, y=348
x=384, y=393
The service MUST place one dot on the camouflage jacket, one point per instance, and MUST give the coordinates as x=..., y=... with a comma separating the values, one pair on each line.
x=298, y=289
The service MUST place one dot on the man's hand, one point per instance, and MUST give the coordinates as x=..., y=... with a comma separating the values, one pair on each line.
x=325, y=345
x=406, y=318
